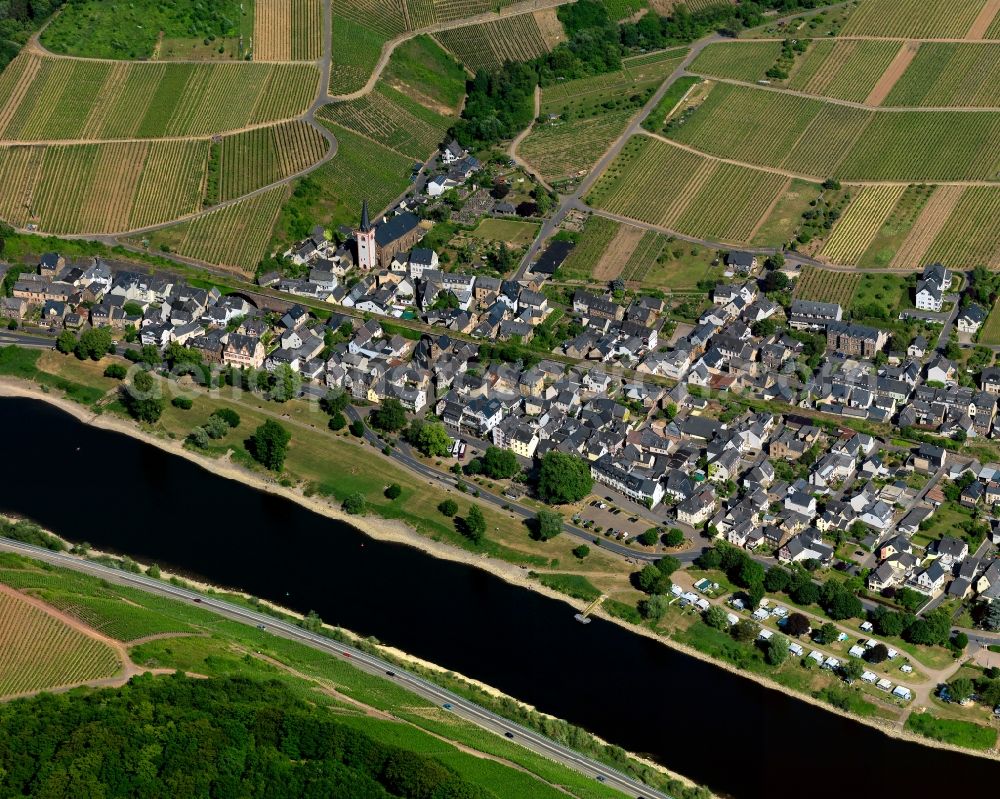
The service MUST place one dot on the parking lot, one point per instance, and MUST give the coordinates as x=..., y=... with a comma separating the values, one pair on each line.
x=592, y=516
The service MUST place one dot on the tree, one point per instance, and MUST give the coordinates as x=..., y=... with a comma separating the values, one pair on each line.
x=94, y=343
x=474, y=525
x=776, y=650
x=853, y=669
x=227, y=415
x=933, y=629
x=548, y=524
x=886, y=622
x=66, y=342
x=142, y=399
x=667, y=565
x=390, y=417
x=654, y=607
x=393, y=491
x=960, y=689
x=198, y=437
x=581, y=551
x=499, y=464
x=269, y=445
x=357, y=428
x=797, y=624
x=335, y=401
x=354, y=504
x=649, y=537
x=827, y=634
x=184, y=403
x=745, y=631
x=776, y=579
x=877, y=654
x=153, y=571
x=959, y=640
x=750, y=573
x=563, y=478
x=651, y=580
x=805, y=592
x=216, y=427
x=839, y=603
x=711, y=558
x=284, y=383
x=116, y=371
x=991, y=621
x=775, y=281
x=448, y=507
x=674, y=537
x=430, y=438
x=717, y=617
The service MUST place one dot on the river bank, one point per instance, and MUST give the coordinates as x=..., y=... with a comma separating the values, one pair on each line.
x=397, y=532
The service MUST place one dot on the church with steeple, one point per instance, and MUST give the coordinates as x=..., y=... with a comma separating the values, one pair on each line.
x=378, y=244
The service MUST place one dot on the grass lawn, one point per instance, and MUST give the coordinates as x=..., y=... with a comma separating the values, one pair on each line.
x=680, y=266
x=783, y=221
x=512, y=231
x=424, y=71
x=952, y=731
x=23, y=363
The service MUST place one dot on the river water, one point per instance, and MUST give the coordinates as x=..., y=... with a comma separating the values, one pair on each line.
x=718, y=729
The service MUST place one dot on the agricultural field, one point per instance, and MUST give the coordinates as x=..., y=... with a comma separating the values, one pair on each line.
x=393, y=120
x=739, y=59
x=513, y=232
x=585, y=95
x=234, y=236
x=101, y=188
x=971, y=236
x=663, y=263
x=822, y=285
x=656, y=183
x=950, y=74
x=263, y=156
x=562, y=150
x=109, y=29
x=936, y=211
x=51, y=99
x=486, y=46
x=896, y=227
x=39, y=650
x=287, y=30
x=913, y=19
x=862, y=221
x=598, y=232
x=332, y=195
x=623, y=9
x=420, y=69
x=816, y=138
x=843, y=69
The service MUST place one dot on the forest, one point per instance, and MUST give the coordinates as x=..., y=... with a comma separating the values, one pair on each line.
x=171, y=736
x=18, y=20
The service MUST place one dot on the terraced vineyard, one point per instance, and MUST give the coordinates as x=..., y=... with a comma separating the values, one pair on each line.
x=896, y=227
x=487, y=46
x=266, y=155
x=860, y=223
x=39, y=651
x=235, y=236
x=561, y=150
x=47, y=99
x=971, y=236
x=657, y=183
x=102, y=187
x=822, y=285
x=356, y=51
x=594, y=240
x=740, y=59
x=818, y=139
x=844, y=69
x=913, y=19
x=950, y=75
x=287, y=30
x=392, y=119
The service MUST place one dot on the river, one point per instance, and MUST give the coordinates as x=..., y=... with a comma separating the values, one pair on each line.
x=716, y=728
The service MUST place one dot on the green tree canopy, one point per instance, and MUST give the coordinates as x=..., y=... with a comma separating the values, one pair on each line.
x=563, y=478
x=269, y=445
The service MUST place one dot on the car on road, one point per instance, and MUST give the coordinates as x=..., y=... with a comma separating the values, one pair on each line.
x=446, y=705
x=197, y=599
x=508, y=734
x=600, y=778
x=391, y=673
x=261, y=627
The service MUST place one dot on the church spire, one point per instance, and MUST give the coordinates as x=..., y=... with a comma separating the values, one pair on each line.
x=365, y=224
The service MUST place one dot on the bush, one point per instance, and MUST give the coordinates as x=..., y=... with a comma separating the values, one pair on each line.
x=581, y=551
x=184, y=403
x=229, y=416
x=354, y=504
x=649, y=537
x=674, y=537
x=393, y=491
x=338, y=421
x=116, y=371
x=357, y=428
x=448, y=507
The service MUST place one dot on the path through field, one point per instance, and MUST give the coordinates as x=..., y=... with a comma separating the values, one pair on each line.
x=981, y=24
x=617, y=253
x=896, y=69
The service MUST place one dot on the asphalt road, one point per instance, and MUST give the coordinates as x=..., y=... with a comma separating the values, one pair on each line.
x=362, y=660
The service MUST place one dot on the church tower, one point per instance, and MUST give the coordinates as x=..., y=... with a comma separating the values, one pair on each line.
x=367, y=256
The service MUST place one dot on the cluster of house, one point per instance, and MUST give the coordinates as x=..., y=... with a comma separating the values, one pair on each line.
x=458, y=167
